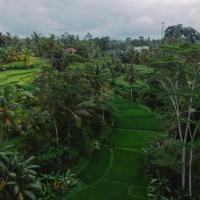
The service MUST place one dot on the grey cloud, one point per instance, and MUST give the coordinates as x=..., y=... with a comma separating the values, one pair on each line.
x=115, y=18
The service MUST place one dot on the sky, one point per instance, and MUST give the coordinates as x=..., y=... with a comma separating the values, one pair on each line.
x=117, y=19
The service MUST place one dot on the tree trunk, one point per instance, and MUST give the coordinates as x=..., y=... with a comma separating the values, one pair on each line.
x=103, y=118
x=190, y=172
x=103, y=115
x=69, y=132
x=7, y=136
x=1, y=134
x=51, y=54
x=131, y=92
x=183, y=167
x=57, y=136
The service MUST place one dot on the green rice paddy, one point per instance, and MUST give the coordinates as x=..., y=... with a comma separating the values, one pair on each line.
x=11, y=77
x=118, y=171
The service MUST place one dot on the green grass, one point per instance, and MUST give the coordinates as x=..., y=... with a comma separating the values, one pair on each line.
x=128, y=167
x=39, y=62
x=127, y=108
x=127, y=105
x=17, y=76
x=137, y=191
x=14, y=65
x=105, y=190
x=129, y=139
x=36, y=63
x=137, y=112
x=97, y=166
x=118, y=100
x=11, y=73
x=139, y=123
x=18, y=73
x=81, y=164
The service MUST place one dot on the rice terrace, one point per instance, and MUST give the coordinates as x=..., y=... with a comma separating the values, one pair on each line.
x=118, y=171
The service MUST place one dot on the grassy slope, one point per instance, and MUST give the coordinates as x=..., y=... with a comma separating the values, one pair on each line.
x=20, y=76
x=17, y=76
x=122, y=177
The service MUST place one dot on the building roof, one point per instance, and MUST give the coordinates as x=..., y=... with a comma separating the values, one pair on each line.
x=70, y=50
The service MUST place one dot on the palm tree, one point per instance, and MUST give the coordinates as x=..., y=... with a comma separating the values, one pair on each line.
x=102, y=104
x=76, y=113
x=36, y=42
x=52, y=44
x=131, y=78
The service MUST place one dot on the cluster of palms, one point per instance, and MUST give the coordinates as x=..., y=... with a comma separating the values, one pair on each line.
x=8, y=40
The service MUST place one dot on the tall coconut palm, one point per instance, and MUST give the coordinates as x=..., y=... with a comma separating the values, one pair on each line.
x=36, y=42
x=131, y=78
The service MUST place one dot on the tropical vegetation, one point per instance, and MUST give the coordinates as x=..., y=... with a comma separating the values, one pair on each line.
x=80, y=117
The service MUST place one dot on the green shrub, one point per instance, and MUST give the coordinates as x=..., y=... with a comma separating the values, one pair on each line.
x=52, y=158
x=69, y=58
x=159, y=188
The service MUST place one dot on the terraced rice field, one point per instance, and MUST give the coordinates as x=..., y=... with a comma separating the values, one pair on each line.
x=117, y=171
x=11, y=77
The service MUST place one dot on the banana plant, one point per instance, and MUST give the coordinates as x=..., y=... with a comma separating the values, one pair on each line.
x=18, y=178
x=57, y=183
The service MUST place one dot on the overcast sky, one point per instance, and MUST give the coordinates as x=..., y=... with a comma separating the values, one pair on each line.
x=115, y=18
